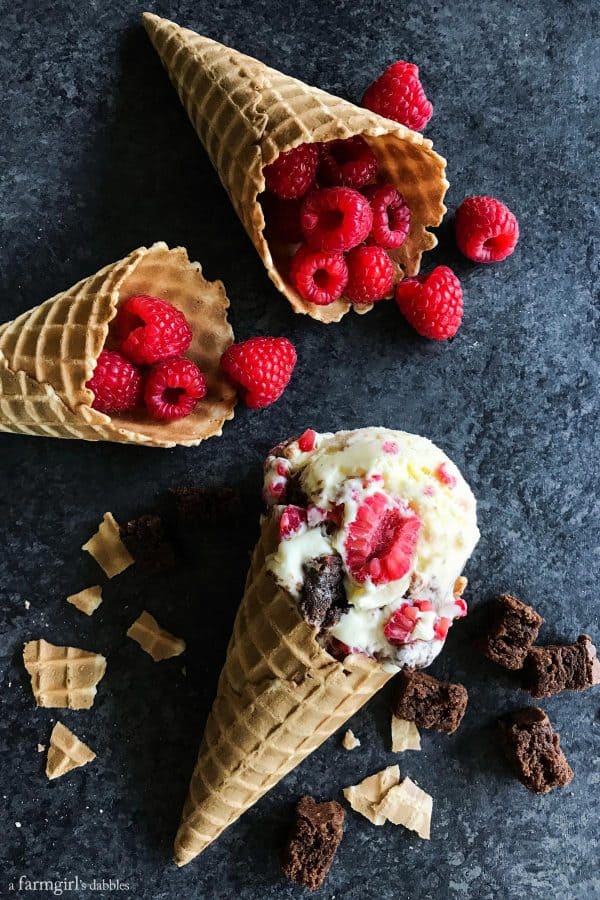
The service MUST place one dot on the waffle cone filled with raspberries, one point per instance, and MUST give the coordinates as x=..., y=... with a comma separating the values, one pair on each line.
x=248, y=116
x=280, y=695
x=50, y=355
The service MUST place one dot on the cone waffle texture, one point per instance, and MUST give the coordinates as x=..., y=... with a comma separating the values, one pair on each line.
x=157, y=642
x=63, y=676
x=49, y=353
x=66, y=752
x=280, y=695
x=246, y=114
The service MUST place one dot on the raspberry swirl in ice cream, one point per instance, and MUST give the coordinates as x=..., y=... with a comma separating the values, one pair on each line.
x=375, y=527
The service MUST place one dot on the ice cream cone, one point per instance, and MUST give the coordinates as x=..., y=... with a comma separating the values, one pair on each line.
x=246, y=114
x=280, y=695
x=49, y=353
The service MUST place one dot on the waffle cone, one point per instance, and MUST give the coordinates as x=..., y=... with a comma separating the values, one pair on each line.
x=49, y=353
x=246, y=114
x=280, y=695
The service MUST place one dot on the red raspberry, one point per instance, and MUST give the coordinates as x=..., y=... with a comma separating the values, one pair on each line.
x=391, y=216
x=433, y=304
x=307, y=440
x=401, y=623
x=441, y=627
x=399, y=95
x=150, y=329
x=116, y=383
x=381, y=541
x=350, y=163
x=318, y=276
x=173, y=387
x=370, y=274
x=292, y=519
x=293, y=172
x=486, y=230
x=282, y=218
x=261, y=367
x=335, y=218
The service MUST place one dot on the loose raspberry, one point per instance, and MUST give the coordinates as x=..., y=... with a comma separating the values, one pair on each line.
x=307, y=440
x=391, y=216
x=486, y=230
x=381, y=541
x=441, y=628
x=335, y=218
x=433, y=304
x=116, y=383
x=293, y=172
x=399, y=95
x=401, y=623
x=350, y=163
x=319, y=276
x=282, y=218
x=150, y=330
x=261, y=367
x=370, y=274
x=173, y=388
x=292, y=519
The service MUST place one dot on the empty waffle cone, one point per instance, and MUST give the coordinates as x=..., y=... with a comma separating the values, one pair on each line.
x=280, y=695
x=246, y=114
x=48, y=354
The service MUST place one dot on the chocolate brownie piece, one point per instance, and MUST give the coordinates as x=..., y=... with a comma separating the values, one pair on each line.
x=427, y=702
x=513, y=628
x=147, y=541
x=323, y=595
x=196, y=506
x=313, y=842
x=533, y=747
x=562, y=667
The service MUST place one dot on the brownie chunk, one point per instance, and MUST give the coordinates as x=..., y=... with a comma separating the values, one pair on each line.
x=323, y=595
x=196, y=506
x=314, y=839
x=147, y=541
x=427, y=702
x=533, y=748
x=562, y=667
x=513, y=628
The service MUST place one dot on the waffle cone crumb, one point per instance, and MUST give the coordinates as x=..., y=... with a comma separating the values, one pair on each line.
x=66, y=752
x=108, y=549
x=157, y=642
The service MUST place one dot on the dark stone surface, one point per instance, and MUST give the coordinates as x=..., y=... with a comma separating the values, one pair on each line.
x=97, y=157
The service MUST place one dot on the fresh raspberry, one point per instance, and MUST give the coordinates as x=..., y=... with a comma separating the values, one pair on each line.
x=399, y=95
x=293, y=172
x=441, y=628
x=391, y=216
x=173, y=387
x=335, y=218
x=292, y=519
x=381, y=541
x=319, y=276
x=401, y=623
x=307, y=440
x=350, y=163
x=433, y=304
x=486, y=230
x=116, y=383
x=370, y=274
x=150, y=330
x=261, y=367
x=282, y=218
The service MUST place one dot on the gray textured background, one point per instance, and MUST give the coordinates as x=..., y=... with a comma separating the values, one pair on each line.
x=97, y=157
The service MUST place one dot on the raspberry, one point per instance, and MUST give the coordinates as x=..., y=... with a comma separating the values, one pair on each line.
x=292, y=519
x=319, y=276
x=381, y=541
x=433, y=303
x=293, y=172
x=350, y=163
x=391, y=216
x=401, y=623
x=486, y=230
x=261, y=367
x=399, y=95
x=335, y=218
x=116, y=383
x=282, y=218
x=441, y=627
x=150, y=329
x=370, y=274
x=307, y=440
x=173, y=387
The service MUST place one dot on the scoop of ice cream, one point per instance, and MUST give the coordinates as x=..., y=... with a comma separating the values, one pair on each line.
x=401, y=518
